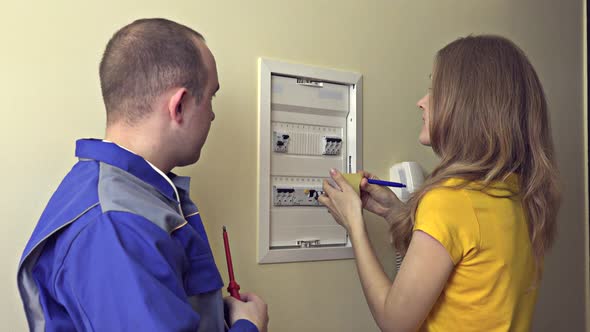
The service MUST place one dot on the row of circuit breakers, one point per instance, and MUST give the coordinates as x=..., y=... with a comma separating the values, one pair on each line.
x=329, y=145
x=303, y=195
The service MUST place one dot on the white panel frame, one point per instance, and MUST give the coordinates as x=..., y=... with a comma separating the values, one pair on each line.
x=268, y=67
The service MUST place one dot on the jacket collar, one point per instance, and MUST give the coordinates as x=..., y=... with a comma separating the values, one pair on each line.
x=112, y=154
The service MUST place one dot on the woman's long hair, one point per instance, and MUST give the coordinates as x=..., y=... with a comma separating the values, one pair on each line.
x=489, y=119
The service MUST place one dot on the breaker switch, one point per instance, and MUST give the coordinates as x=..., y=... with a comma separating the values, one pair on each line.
x=296, y=196
x=280, y=142
x=331, y=145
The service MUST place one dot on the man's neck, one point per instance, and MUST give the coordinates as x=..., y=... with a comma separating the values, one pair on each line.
x=143, y=143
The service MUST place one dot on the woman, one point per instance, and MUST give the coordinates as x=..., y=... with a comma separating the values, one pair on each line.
x=475, y=234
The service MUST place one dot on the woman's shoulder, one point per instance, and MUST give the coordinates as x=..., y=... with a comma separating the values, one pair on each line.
x=446, y=213
x=460, y=196
x=460, y=188
x=449, y=192
x=451, y=202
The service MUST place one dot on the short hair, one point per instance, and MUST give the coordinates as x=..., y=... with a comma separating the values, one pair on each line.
x=144, y=59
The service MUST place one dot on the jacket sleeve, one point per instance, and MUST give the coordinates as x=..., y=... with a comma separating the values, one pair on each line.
x=243, y=325
x=125, y=274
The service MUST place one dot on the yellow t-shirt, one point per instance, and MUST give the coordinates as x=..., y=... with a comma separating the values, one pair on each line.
x=493, y=285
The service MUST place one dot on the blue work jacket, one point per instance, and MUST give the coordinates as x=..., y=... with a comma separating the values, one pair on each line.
x=121, y=247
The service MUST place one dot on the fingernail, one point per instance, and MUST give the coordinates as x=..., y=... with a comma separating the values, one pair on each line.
x=333, y=171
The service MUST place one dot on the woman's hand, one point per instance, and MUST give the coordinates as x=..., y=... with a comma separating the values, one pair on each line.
x=378, y=199
x=344, y=204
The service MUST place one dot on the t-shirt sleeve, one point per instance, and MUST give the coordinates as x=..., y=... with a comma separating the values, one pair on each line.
x=447, y=215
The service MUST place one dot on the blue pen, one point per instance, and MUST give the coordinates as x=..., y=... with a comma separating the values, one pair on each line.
x=386, y=183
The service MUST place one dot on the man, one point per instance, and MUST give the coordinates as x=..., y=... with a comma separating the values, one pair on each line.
x=120, y=245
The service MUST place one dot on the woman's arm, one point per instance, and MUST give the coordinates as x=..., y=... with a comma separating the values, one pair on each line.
x=403, y=305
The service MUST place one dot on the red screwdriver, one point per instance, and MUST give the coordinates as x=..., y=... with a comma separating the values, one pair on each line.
x=233, y=287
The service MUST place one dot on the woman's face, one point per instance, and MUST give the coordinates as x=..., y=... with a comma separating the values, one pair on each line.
x=424, y=105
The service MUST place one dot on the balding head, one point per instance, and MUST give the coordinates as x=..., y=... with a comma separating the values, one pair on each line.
x=142, y=61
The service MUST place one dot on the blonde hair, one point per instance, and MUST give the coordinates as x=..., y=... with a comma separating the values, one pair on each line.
x=489, y=119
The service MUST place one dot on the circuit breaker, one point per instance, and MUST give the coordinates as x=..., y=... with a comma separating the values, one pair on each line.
x=296, y=196
x=309, y=123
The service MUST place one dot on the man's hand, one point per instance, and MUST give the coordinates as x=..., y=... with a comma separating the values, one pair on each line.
x=252, y=308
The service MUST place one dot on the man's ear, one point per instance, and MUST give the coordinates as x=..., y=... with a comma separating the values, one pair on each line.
x=176, y=105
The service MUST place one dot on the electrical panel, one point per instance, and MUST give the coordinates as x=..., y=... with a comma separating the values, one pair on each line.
x=309, y=123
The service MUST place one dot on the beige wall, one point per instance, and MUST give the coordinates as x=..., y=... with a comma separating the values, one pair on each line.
x=50, y=96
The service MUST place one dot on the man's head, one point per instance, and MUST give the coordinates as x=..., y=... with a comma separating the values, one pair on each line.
x=160, y=71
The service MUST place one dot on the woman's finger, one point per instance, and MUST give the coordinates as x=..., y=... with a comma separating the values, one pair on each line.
x=367, y=175
x=329, y=190
x=340, y=180
x=323, y=199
